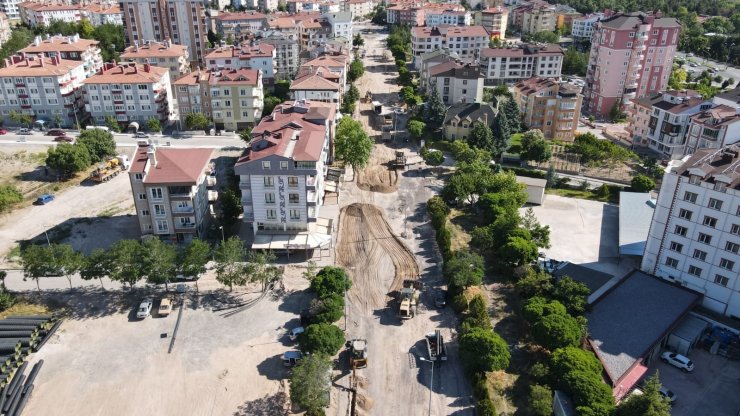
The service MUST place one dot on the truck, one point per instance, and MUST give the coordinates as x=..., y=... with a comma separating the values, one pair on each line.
x=357, y=353
x=436, y=346
x=408, y=298
x=110, y=169
x=400, y=160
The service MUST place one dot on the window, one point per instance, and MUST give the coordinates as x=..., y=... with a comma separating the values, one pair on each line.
x=680, y=230
x=159, y=210
x=732, y=247
x=269, y=198
x=695, y=179
x=265, y=164
x=269, y=181
x=145, y=212
x=283, y=164
x=720, y=187
x=726, y=264
x=142, y=196
x=709, y=221
x=142, y=87
x=292, y=181
x=705, y=238
x=138, y=177
x=701, y=255
x=721, y=280
x=295, y=214
x=671, y=262
x=162, y=225
x=715, y=204
x=271, y=214
x=735, y=229
x=156, y=193
x=690, y=197
x=677, y=247
x=695, y=271
x=685, y=214
x=293, y=198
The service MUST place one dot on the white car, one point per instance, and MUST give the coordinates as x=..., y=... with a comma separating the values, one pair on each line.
x=145, y=309
x=678, y=360
x=668, y=394
x=295, y=332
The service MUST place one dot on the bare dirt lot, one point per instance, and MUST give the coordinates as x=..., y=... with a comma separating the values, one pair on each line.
x=103, y=361
x=378, y=175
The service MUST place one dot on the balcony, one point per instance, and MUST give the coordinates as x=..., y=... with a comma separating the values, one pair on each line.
x=183, y=210
x=186, y=226
x=311, y=198
x=311, y=182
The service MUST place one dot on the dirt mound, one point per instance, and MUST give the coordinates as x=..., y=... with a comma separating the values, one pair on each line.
x=379, y=175
x=363, y=402
x=371, y=252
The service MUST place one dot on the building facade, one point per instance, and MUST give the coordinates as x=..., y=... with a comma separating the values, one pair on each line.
x=694, y=238
x=583, y=27
x=538, y=18
x=10, y=8
x=239, y=25
x=461, y=118
x=631, y=57
x=183, y=22
x=236, y=98
x=286, y=53
x=550, y=106
x=103, y=13
x=254, y=56
x=130, y=92
x=170, y=190
x=71, y=48
x=358, y=8
x=457, y=83
x=494, y=20
x=502, y=66
x=40, y=14
x=282, y=173
x=44, y=88
x=341, y=24
x=716, y=127
x=192, y=92
x=465, y=41
x=451, y=17
x=163, y=54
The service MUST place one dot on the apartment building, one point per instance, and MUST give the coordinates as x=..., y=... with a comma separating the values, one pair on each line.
x=337, y=65
x=431, y=59
x=631, y=57
x=286, y=52
x=494, y=20
x=538, y=18
x=103, y=13
x=192, y=93
x=405, y=14
x=163, y=54
x=313, y=32
x=239, y=25
x=716, y=127
x=550, y=106
x=583, y=27
x=730, y=98
x=694, y=237
x=465, y=41
x=248, y=55
x=341, y=24
x=131, y=92
x=450, y=17
x=317, y=84
x=282, y=172
x=236, y=98
x=71, y=48
x=4, y=28
x=45, y=88
x=358, y=8
x=669, y=117
x=42, y=14
x=456, y=82
x=170, y=190
x=181, y=21
x=501, y=66
x=10, y=8
x=564, y=16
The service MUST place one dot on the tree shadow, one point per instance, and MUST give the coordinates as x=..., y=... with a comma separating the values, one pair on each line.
x=272, y=368
x=275, y=405
x=90, y=302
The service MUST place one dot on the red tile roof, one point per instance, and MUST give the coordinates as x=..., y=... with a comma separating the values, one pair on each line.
x=128, y=73
x=174, y=166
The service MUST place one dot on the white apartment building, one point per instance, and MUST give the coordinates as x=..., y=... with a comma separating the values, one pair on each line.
x=457, y=83
x=502, y=66
x=694, y=238
x=583, y=27
x=451, y=17
x=465, y=41
x=72, y=48
x=341, y=24
x=170, y=190
x=163, y=54
x=358, y=8
x=10, y=8
x=316, y=84
x=258, y=56
x=239, y=25
x=282, y=173
x=45, y=88
x=40, y=14
x=286, y=52
x=716, y=127
x=102, y=13
x=130, y=92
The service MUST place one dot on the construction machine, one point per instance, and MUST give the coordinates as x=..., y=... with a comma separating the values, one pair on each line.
x=357, y=353
x=436, y=346
x=408, y=298
x=400, y=160
x=110, y=169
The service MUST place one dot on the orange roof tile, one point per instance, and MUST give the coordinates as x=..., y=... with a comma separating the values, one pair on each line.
x=59, y=43
x=38, y=67
x=128, y=73
x=155, y=49
x=174, y=166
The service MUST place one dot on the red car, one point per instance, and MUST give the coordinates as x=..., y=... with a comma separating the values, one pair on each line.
x=55, y=132
x=3, y=131
x=64, y=138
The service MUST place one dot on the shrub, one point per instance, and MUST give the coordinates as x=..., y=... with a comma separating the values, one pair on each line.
x=483, y=350
x=478, y=313
x=642, y=183
x=557, y=331
x=330, y=280
x=485, y=407
x=310, y=384
x=464, y=269
x=569, y=359
x=321, y=338
x=444, y=241
x=438, y=211
x=434, y=158
x=587, y=389
x=9, y=195
x=328, y=309
x=480, y=387
x=539, y=372
x=6, y=300
x=459, y=303
x=537, y=307
x=540, y=400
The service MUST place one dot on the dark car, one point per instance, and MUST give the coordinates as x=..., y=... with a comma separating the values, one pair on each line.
x=64, y=138
x=55, y=132
x=440, y=299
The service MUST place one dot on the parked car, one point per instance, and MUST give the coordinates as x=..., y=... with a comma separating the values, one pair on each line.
x=140, y=135
x=24, y=131
x=145, y=308
x=3, y=131
x=44, y=199
x=181, y=288
x=55, y=132
x=291, y=358
x=165, y=307
x=440, y=299
x=186, y=277
x=295, y=332
x=678, y=360
x=64, y=138
x=668, y=394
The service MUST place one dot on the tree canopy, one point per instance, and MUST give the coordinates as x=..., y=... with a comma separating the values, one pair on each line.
x=310, y=384
x=642, y=183
x=483, y=350
x=535, y=147
x=331, y=280
x=323, y=338
x=434, y=111
x=197, y=121
x=481, y=137
x=68, y=158
x=99, y=144
x=649, y=403
x=352, y=143
x=229, y=258
x=464, y=269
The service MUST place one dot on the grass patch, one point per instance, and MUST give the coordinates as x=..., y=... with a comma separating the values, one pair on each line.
x=442, y=145
x=515, y=143
x=500, y=383
x=25, y=308
x=577, y=193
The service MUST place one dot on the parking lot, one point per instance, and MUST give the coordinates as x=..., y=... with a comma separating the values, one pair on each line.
x=106, y=362
x=711, y=389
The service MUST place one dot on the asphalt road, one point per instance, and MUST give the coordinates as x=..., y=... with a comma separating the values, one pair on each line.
x=724, y=70
x=128, y=140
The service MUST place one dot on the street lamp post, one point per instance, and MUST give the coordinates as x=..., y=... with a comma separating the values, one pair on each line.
x=223, y=240
x=431, y=383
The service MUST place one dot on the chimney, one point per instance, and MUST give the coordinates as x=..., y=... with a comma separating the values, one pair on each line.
x=42, y=60
x=151, y=155
x=37, y=40
x=7, y=62
x=147, y=67
x=136, y=68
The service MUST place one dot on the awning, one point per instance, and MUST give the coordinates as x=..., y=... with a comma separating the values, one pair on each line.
x=629, y=380
x=40, y=121
x=133, y=125
x=302, y=241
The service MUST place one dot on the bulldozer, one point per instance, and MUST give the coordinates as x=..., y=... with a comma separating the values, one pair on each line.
x=357, y=353
x=408, y=298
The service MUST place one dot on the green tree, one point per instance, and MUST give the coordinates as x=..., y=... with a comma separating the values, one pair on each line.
x=573, y=294
x=513, y=115
x=100, y=144
x=481, y=137
x=193, y=258
x=9, y=196
x=434, y=158
x=405, y=77
x=540, y=234
x=408, y=95
x=649, y=403
x=575, y=62
x=153, y=125
x=68, y=158
x=331, y=280
x=269, y=104
x=642, y=183
x=112, y=41
x=260, y=269
x=231, y=207
x=546, y=37
x=66, y=260
x=501, y=133
x=229, y=263
x=483, y=350
x=20, y=118
x=158, y=261
x=310, y=384
x=478, y=313
x=352, y=144
x=434, y=112
x=323, y=338
x=97, y=265
x=20, y=37
x=358, y=40
x=36, y=262
x=570, y=359
x=535, y=147
x=197, y=121
x=416, y=127
x=518, y=251
x=57, y=120
x=86, y=29
x=125, y=260
x=356, y=70
x=677, y=78
x=534, y=283
x=557, y=331
x=379, y=15
x=112, y=124
x=540, y=400
x=464, y=269
x=282, y=90
x=537, y=307
x=589, y=393
x=327, y=309
x=246, y=135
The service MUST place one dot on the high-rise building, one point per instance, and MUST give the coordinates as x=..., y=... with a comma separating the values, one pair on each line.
x=583, y=27
x=465, y=41
x=694, y=237
x=631, y=57
x=183, y=22
x=494, y=20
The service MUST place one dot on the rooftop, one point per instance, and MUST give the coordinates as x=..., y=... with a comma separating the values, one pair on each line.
x=245, y=51
x=128, y=73
x=164, y=49
x=314, y=81
x=522, y=50
x=456, y=70
x=625, y=21
x=447, y=31
x=174, y=166
x=48, y=7
x=732, y=96
x=471, y=111
x=715, y=165
x=59, y=43
x=635, y=216
x=632, y=317
x=717, y=116
x=250, y=15
x=34, y=66
x=593, y=279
